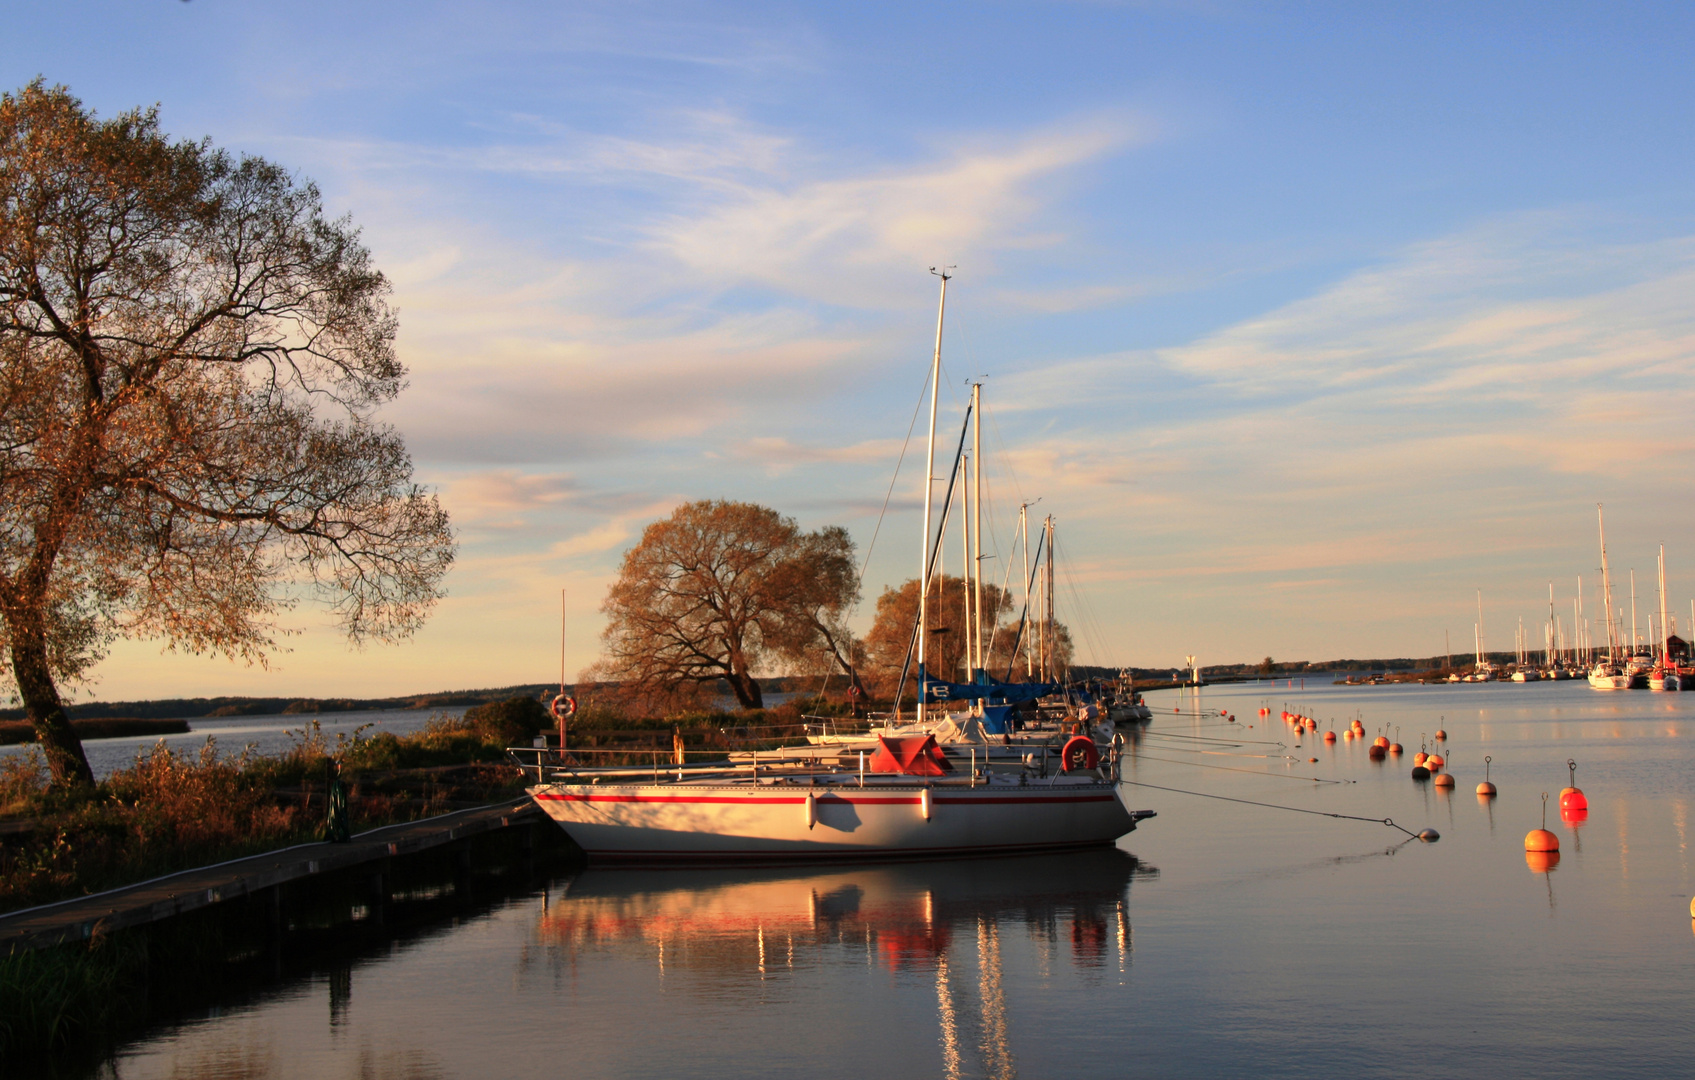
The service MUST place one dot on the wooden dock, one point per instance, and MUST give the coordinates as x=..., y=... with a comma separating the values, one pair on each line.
x=165, y=897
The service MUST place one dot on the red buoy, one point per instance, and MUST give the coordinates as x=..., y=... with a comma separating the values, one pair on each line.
x=1572, y=798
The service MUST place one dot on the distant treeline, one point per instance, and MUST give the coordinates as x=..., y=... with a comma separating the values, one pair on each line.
x=190, y=708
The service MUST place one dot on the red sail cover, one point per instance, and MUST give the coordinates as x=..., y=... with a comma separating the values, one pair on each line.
x=910, y=755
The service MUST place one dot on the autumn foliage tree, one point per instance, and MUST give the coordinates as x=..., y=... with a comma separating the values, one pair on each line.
x=945, y=654
x=191, y=359
x=719, y=590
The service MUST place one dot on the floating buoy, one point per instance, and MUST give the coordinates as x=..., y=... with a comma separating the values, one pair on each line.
x=1434, y=762
x=1430, y=836
x=1312, y=761
x=1572, y=798
x=1420, y=758
x=1444, y=780
x=1329, y=736
x=1381, y=741
x=1377, y=753
x=1419, y=772
x=1486, y=789
x=1541, y=839
x=1395, y=748
x=1441, y=736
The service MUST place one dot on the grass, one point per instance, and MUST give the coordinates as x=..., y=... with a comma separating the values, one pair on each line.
x=173, y=811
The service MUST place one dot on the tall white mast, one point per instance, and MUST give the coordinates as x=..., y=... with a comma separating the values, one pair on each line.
x=1633, y=611
x=1665, y=634
x=1606, y=585
x=965, y=559
x=929, y=477
x=1024, y=533
x=977, y=530
x=1480, y=660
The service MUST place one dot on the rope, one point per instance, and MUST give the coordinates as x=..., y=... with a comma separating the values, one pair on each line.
x=1228, y=768
x=1274, y=806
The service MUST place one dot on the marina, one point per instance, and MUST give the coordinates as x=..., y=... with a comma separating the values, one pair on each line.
x=1235, y=938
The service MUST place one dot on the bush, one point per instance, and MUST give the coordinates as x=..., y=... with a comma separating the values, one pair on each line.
x=513, y=722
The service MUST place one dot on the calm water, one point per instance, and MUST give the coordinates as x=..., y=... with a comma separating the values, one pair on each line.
x=265, y=734
x=1239, y=940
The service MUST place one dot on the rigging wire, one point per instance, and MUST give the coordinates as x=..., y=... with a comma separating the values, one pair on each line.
x=865, y=565
x=1228, y=768
x=1274, y=806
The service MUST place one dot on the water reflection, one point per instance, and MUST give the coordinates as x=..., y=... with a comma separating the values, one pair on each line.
x=732, y=928
x=906, y=916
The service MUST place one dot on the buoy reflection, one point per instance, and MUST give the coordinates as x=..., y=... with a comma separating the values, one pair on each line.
x=1541, y=862
x=1574, y=816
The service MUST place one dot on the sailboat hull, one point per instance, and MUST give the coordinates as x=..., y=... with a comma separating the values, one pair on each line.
x=790, y=821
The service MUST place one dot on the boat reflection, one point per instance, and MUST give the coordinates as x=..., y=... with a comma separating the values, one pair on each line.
x=942, y=922
x=906, y=915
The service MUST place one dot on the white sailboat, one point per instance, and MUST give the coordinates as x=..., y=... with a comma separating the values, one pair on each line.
x=1608, y=674
x=1664, y=676
x=905, y=798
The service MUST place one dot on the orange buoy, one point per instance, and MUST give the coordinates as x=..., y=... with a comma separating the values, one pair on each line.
x=1434, y=762
x=1441, y=736
x=1382, y=741
x=1541, y=839
x=1572, y=798
x=1312, y=760
x=1395, y=748
x=1420, y=758
x=1444, y=780
x=1329, y=736
x=1486, y=789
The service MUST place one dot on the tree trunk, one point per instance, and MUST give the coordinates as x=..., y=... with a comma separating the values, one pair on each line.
x=747, y=690
x=34, y=675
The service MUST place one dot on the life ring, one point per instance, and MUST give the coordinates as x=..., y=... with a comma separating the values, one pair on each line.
x=1079, y=752
x=563, y=707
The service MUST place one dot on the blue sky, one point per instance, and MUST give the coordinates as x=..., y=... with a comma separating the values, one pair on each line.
x=1305, y=321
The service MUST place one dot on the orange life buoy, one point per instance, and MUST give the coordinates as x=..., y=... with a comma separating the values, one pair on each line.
x=563, y=707
x=1079, y=752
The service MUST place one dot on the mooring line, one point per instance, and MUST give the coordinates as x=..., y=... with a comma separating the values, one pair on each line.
x=1227, y=768
x=1274, y=806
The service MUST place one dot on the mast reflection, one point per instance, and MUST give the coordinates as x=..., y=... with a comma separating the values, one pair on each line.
x=936, y=919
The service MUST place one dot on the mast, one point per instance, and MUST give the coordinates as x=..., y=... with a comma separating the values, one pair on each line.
x=1633, y=611
x=1553, y=629
x=1606, y=586
x=929, y=475
x=965, y=559
x=977, y=531
x=1480, y=660
x=1024, y=533
x=1050, y=640
x=1665, y=634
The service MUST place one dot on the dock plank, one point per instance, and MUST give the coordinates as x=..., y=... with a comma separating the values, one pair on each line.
x=166, y=897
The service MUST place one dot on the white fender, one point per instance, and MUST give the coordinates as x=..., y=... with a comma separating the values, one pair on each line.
x=811, y=810
x=924, y=804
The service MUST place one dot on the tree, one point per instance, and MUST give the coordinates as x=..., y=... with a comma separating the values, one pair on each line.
x=718, y=589
x=1267, y=666
x=191, y=359
x=897, y=612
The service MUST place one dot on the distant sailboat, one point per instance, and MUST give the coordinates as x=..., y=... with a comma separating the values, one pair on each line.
x=1607, y=674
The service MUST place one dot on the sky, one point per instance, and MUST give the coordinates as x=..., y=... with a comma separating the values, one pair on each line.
x=1306, y=322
